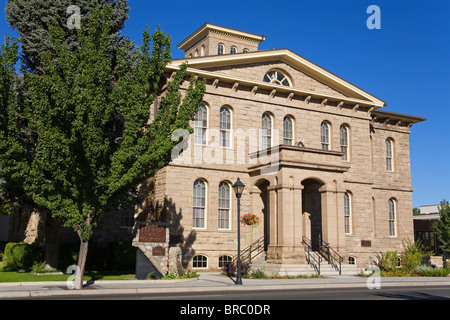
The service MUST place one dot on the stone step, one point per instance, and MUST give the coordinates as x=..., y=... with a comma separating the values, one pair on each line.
x=326, y=269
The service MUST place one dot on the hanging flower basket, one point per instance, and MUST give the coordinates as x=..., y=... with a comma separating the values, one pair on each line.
x=250, y=220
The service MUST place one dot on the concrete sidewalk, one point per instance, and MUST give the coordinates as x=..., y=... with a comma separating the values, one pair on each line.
x=206, y=282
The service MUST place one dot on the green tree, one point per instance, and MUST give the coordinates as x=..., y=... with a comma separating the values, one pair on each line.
x=90, y=109
x=14, y=139
x=442, y=227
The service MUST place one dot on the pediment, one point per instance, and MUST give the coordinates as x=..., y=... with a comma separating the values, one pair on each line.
x=304, y=75
x=296, y=77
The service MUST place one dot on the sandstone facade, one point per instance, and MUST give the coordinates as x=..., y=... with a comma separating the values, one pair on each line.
x=356, y=203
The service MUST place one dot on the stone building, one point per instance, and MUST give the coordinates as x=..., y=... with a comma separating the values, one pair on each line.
x=322, y=161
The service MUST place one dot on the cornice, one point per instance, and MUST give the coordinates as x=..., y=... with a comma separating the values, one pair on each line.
x=236, y=82
x=207, y=27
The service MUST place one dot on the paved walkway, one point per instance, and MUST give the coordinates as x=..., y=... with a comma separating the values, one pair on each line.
x=206, y=282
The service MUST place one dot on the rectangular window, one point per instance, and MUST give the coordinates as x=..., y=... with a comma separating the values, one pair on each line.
x=199, y=204
x=392, y=218
x=325, y=136
x=347, y=213
x=225, y=127
x=224, y=206
x=200, y=125
x=287, y=131
x=344, y=142
x=389, y=155
x=266, y=136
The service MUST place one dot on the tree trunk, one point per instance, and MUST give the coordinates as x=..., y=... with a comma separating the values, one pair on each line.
x=82, y=256
x=81, y=264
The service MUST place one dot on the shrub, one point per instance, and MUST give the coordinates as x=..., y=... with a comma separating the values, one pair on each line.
x=230, y=269
x=429, y=271
x=21, y=256
x=123, y=256
x=412, y=255
x=389, y=261
x=259, y=274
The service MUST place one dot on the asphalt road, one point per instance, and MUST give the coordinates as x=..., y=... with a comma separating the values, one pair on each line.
x=386, y=293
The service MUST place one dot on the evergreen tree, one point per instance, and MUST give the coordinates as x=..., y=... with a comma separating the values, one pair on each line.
x=442, y=227
x=33, y=19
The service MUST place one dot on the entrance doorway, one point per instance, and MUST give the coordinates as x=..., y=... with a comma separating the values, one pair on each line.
x=312, y=212
x=262, y=185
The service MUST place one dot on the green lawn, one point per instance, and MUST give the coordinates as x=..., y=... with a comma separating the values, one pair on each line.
x=28, y=277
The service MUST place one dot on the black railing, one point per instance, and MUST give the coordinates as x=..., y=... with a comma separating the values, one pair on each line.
x=311, y=258
x=252, y=251
x=331, y=256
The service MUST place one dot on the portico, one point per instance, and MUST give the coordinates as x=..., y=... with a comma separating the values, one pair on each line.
x=300, y=195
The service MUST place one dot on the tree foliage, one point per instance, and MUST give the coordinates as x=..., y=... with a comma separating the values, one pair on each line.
x=13, y=158
x=86, y=97
x=442, y=227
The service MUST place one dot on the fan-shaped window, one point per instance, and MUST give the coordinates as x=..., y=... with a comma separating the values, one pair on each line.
x=200, y=261
x=277, y=77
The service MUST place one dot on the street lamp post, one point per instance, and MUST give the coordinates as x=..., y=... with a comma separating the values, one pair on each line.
x=238, y=188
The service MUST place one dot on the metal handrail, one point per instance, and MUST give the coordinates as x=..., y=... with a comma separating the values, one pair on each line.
x=249, y=253
x=331, y=256
x=311, y=259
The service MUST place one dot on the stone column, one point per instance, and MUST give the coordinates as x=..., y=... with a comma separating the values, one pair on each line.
x=272, y=255
x=287, y=226
x=333, y=231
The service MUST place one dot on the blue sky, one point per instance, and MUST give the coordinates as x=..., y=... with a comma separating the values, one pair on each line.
x=405, y=63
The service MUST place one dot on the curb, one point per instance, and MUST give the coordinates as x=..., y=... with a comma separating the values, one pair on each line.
x=113, y=291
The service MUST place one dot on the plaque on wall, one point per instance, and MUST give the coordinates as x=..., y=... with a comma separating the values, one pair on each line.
x=152, y=233
x=366, y=243
x=159, y=251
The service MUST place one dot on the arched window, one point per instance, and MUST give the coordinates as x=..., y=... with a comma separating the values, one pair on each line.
x=351, y=260
x=325, y=136
x=288, y=131
x=266, y=141
x=233, y=49
x=220, y=49
x=224, y=260
x=225, y=127
x=200, y=261
x=277, y=77
x=343, y=138
x=392, y=218
x=199, y=204
x=347, y=213
x=201, y=125
x=245, y=50
x=224, y=205
x=389, y=155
